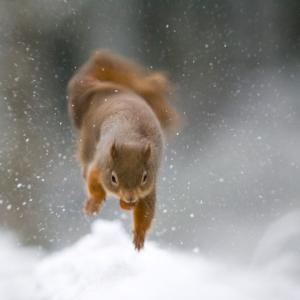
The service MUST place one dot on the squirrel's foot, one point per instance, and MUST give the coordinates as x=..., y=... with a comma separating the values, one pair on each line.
x=92, y=206
x=138, y=240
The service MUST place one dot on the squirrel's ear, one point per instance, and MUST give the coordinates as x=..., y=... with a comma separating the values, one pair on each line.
x=147, y=151
x=114, y=150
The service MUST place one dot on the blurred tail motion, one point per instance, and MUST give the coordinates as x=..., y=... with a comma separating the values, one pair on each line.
x=104, y=72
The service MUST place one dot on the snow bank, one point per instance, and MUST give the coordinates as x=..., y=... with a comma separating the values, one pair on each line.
x=16, y=269
x=103, y=265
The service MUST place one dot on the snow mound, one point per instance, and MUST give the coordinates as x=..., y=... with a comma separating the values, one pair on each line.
x=16, y=269
x=103, y=265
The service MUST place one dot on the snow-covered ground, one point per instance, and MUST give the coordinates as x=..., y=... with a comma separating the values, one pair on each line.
x=103, y=265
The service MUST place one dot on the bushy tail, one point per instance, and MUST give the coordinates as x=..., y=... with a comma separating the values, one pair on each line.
x=105, y=70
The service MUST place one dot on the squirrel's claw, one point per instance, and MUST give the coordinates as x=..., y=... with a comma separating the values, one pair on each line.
x=138, y=240
x=92, y=206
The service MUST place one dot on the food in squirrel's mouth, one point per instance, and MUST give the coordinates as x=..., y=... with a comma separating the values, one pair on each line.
x=126, y=205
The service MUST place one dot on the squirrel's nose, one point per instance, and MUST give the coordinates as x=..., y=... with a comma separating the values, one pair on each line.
x=130, y=198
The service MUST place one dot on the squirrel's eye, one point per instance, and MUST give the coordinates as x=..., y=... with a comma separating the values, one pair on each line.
x=114, y=178
x=144, y=177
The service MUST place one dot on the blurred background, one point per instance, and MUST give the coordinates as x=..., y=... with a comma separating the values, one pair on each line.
x=227, y=175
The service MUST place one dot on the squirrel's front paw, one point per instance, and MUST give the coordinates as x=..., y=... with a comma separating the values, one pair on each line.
x=138, y=240
x=92, y=206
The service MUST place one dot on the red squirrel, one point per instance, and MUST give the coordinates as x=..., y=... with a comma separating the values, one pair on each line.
x=122, y=114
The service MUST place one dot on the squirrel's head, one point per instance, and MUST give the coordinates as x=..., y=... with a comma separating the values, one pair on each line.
x=129, y=171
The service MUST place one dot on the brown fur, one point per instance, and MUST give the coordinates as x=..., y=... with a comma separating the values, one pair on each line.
x=104, y=72
x=121, y=112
